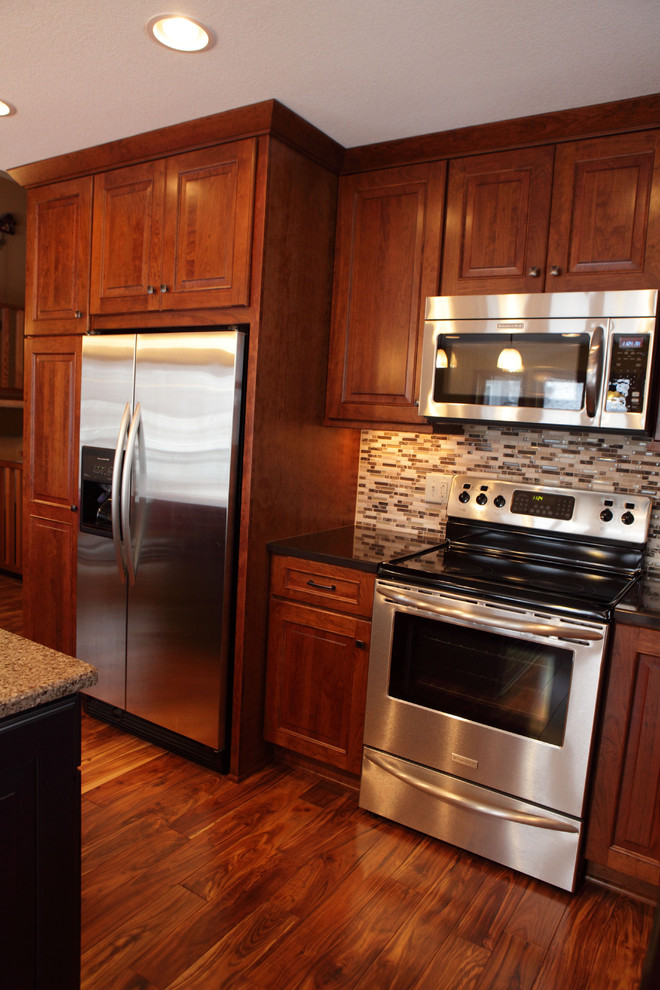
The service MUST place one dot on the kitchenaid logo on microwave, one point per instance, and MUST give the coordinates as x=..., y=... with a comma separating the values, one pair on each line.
x=510, y=326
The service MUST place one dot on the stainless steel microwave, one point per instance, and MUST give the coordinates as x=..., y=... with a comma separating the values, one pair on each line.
x=572, y=360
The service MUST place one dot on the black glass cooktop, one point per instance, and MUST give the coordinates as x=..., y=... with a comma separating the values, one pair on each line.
x=588, y=583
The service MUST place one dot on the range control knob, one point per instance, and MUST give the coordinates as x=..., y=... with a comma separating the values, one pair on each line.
x=464, y=497
x=627, y=518
x=499, y=501
x=481, y=499
x=606, y=515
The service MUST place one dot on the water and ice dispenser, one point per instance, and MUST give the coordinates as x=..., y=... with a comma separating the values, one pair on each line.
x=96, y=490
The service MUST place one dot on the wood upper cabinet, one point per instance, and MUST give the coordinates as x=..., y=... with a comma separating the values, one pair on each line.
x=387, y=260
x=496, y=231
x=51, y=422
x=176, y=233
x=57, y=261
x=605, y=219
x=624, y=824
x=318, y=647
x=518, y=223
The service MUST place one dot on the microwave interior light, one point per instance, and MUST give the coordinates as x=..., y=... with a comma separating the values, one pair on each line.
x=510, y=360
x=441, y=360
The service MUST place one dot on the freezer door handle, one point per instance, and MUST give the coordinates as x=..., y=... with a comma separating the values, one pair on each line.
x=131, y=565
x=116, y=490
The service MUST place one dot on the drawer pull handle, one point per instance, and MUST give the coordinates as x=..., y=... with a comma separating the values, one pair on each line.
x=323, y=587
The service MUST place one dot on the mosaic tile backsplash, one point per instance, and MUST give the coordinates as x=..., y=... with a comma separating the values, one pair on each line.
x=393, y=469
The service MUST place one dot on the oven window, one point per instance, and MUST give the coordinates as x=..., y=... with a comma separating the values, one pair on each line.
x=542, y=371
x=485, y=677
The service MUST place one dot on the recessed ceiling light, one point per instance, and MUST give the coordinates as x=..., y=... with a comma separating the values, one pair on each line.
x=181, y=33
x=6, y=109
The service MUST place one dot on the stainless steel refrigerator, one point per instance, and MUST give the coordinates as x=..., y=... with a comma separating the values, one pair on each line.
x=160, y=428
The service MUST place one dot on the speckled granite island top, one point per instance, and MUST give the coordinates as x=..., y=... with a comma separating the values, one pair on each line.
x=31, y=674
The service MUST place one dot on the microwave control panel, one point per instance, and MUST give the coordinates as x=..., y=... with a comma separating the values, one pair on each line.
x=627, y=377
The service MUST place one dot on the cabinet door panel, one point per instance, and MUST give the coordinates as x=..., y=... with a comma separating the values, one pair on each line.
x=57, y=259
x=624, y=823
x=52, y=399
x=208, y=227
x=127, y=238
x=51, y=421
x=498, y=210
x=316, y=688
x=605, y=221
x=387, y=261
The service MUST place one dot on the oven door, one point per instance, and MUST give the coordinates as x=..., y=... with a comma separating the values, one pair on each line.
x=501, y=697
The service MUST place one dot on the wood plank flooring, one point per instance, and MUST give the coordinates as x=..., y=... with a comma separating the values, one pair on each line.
x=193, y=881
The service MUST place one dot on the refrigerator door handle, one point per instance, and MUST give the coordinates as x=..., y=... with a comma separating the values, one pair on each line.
x=126, y=493
x=116, y=489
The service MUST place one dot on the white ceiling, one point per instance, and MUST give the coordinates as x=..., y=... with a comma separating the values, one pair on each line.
x=82, y=72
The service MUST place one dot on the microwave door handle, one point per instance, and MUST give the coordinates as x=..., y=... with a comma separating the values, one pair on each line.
x=115, y=492
x=594, y=371
x=126, y=493
x=533, y=628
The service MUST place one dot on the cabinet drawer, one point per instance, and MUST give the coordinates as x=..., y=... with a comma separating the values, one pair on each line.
x=343, y=588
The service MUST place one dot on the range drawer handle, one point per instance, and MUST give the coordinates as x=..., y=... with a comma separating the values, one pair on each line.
x=322, y=587
x=470, y=804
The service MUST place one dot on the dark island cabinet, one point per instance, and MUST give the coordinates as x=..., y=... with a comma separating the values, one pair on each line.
x=40, y=848
x=387, y=260
x=318, y=648
x=623, y=837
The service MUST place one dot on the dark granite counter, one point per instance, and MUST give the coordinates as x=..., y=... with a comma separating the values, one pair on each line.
x=641, y=607
x=362, y=547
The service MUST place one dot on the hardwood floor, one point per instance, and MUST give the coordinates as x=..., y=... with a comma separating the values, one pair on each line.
x=193, y=881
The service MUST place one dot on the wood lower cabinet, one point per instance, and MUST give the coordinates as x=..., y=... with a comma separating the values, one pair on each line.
x=387, y=260
x=40, y=847
x=50, y=508
x=318, y=649
x=624, y=825
x=59, y=223
x=175, y=233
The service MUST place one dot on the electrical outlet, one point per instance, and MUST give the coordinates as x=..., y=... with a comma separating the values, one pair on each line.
x=437, y=488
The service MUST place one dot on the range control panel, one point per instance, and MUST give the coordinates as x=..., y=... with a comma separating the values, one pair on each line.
x=566, y=511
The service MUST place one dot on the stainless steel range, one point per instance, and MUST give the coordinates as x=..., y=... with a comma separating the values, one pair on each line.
x=486, y=661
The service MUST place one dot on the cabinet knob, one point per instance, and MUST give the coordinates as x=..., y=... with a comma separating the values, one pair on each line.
x=150, y=290
x=555, y=270
x=534, y=272
x=78, y=315
x=74, y=508
x=163, y=288
x=359, y=643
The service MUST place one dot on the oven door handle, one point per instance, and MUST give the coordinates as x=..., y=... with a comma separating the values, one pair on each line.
x=533, y=628
x=469, y=804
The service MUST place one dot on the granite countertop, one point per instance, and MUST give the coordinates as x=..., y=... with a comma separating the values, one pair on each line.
x=361, y=547
x=31, y=674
